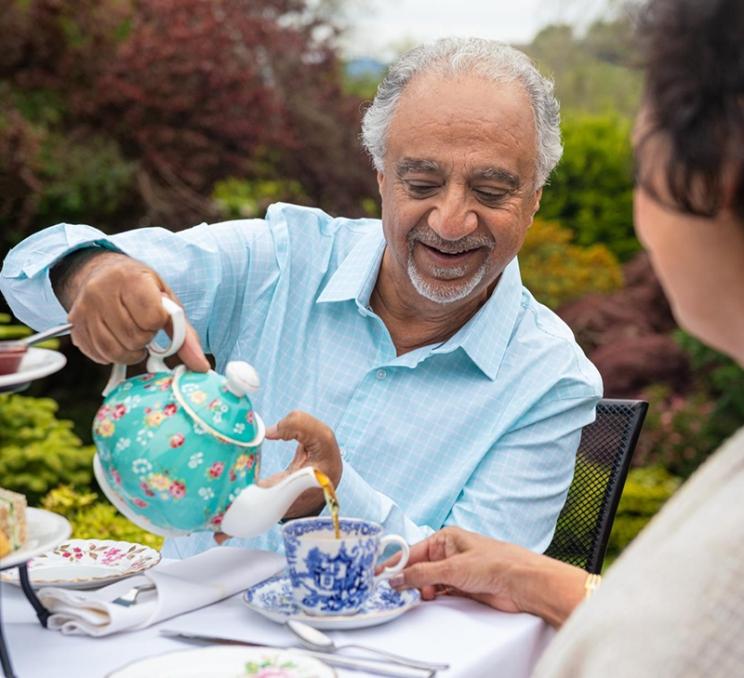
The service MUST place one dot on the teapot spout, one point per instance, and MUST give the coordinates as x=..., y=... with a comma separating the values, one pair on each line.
x=257, y=509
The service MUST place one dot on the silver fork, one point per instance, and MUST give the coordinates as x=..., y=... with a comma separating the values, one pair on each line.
x=130, y=597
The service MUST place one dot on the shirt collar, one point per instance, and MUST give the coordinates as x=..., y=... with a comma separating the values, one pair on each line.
x=356, y=275
x=484, y=338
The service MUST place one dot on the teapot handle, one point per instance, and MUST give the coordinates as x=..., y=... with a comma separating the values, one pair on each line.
x=156, y=360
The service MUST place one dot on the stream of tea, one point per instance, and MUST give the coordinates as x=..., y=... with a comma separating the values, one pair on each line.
x=331, y=500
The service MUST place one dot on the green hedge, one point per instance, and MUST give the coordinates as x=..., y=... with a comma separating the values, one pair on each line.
x=646, y=490
x=38, y=452
x=92, y=518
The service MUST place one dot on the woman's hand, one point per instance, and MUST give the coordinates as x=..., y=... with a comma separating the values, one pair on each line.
x=507, y=577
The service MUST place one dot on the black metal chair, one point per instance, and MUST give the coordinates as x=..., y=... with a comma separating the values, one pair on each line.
x=602, y=463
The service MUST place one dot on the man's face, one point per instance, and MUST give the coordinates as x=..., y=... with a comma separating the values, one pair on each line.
x=458, y=186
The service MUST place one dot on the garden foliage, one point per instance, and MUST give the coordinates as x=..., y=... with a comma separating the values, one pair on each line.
x=94, y=518
x=556, y=270
x=646, y=490
x=124, y=112
x=38, y=452
x=683, y=429
x=591, y=190
x=593, y=70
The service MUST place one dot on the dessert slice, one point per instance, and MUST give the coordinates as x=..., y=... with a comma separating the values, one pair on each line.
x=12, y=521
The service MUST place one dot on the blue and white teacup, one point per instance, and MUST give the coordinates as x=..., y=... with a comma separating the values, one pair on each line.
x=336, y=576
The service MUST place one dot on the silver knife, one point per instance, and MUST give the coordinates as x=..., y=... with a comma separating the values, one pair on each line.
x=379, y=668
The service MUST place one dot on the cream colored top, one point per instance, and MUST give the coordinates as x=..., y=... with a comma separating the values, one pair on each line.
x=672, y=606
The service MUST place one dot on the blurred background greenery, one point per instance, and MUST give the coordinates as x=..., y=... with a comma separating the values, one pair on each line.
x=123, y=113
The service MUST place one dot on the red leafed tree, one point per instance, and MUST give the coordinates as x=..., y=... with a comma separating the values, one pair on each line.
x=191, y=92
x=205, y=89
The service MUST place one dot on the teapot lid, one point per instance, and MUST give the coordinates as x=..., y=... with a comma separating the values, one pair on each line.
x=220, y=403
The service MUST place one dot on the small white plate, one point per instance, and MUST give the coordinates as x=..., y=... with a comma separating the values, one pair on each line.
x=273, y=599
x=227, y=662
x=44, y=530
x=87, y=564
x=36, y=363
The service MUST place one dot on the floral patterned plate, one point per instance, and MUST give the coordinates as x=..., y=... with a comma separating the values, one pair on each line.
x=227, y=662
x=273, y=599
x=87, y=564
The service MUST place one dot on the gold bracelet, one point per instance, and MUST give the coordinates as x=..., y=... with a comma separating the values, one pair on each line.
x=591, y=584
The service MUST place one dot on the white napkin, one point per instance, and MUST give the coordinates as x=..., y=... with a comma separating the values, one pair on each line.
x=181, y=586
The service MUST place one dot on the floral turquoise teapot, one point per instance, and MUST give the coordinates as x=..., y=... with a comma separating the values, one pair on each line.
x=180, y=451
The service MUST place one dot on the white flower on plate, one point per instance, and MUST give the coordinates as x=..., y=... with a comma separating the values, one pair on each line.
x=239, y=427
x=196, y=459
x=206, y=493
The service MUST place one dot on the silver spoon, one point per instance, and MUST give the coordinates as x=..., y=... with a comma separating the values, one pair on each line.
x=314, y=639
x=25, y=342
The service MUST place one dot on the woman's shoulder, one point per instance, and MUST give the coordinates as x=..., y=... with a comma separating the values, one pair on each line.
x=667, y=606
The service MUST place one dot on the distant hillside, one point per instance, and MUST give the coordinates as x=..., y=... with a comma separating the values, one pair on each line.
x=593, y=73
x=364, y=67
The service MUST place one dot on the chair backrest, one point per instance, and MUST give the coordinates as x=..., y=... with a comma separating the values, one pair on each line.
x=602, y=463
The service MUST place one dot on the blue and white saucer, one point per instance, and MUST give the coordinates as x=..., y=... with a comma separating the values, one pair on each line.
x=273, y=599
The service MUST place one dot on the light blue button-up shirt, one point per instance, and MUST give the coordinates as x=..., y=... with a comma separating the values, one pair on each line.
x=479, y=431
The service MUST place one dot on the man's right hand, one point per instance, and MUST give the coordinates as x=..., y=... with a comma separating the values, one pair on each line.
x=115, y=307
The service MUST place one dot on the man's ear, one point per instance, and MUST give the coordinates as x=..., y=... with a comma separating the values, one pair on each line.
x=535, y=206
x=380, y=180
x=538, y=197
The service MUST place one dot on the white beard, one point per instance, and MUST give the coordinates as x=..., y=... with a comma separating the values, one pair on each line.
x=445, y=294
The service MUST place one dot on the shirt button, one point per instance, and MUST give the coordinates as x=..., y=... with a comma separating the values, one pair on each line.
x=381, y=374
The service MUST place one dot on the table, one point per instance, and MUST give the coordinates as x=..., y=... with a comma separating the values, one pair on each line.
x=474, y=639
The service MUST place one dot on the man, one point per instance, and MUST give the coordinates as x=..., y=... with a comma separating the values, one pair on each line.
x=427, y=382
x=673, y=604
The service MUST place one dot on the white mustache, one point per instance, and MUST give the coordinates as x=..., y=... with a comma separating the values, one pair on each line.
x=470, y=242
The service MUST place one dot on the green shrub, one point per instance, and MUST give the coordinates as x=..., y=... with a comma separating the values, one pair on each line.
x=92, y=518
x=556, y=271
x=683, y=430
x=723, y=379
x=244, y=199
x=37, y=450
x=646, y=490
x=679, y=432
x=591, y=190
x=85, y=180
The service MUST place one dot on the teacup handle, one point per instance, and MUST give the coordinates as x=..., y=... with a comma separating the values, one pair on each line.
x=405, y=552
x=156, y=360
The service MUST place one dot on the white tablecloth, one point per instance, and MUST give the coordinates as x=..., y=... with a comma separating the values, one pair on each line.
x=475, y=640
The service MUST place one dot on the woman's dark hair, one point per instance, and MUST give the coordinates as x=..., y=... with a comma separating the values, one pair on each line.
x=693, y=52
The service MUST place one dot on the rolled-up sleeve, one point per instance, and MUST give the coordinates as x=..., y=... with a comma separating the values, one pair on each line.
x=24, y=278
x=207, y=266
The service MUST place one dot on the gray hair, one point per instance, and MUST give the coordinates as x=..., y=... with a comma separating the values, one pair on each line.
x=488, y=58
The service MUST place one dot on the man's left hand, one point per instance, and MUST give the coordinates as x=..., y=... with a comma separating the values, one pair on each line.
x=317, y=447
